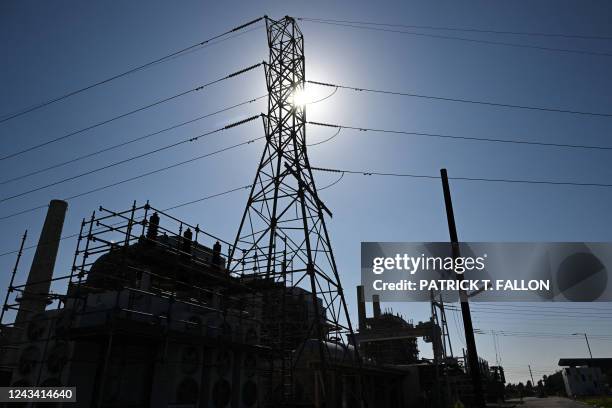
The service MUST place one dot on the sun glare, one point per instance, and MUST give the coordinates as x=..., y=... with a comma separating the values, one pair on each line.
x=300, y=97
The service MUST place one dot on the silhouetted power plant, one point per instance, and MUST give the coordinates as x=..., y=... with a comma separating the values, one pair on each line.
x=157, y=312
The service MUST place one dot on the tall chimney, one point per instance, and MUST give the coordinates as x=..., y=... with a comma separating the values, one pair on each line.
x=376, y=305
x=361, y=307
x=34, y=298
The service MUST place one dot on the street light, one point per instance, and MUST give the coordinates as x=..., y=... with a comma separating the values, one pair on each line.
x=587, y=341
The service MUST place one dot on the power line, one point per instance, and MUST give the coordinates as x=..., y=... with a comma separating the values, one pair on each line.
x=515, y=371
x=219, y=41
x=543, y=337
x=106, y=149
x=505, y=332
x=180, y=205
x=325, y=140
x=158, y=102
x=465, y=39
x=183, y=204
x=541, y=314
x=552, y=313
x=545, y=313
x=148, y=135
x=479, y=139
x=528, y=333
x=555, y=306
x=324, y=98
x=65, y=237
x=459, y=331
x=208, y=197
x=464, y=29
x=519, y=323
x=462, y=100
x=491, y=180
x=333, y=183
x=540, y=367
x=537, y=319
x=136, y=177
x=129, y=159
x=140, y=138
x=130, y=71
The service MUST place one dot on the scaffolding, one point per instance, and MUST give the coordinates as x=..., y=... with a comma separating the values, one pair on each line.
x=143, y=274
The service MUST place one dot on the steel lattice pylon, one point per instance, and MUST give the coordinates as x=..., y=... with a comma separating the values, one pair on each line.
x=282, y=236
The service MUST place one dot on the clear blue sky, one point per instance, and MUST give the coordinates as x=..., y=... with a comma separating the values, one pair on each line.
x=49, y=48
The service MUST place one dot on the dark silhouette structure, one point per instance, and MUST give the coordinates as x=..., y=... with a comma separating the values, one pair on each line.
x=157, y=312
x=282, y=235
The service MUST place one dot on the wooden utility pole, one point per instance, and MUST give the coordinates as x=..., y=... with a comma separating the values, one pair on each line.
x=472, y=355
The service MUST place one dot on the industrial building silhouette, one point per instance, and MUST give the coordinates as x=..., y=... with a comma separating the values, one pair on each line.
x=152, y=317
x=157, y=312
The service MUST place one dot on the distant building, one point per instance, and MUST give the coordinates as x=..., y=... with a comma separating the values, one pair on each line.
x=586, y=376
x=583, y=381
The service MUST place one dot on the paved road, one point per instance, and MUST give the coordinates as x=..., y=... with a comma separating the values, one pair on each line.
x=550, y=402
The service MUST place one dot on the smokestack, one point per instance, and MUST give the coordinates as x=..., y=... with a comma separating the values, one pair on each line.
x=361, y=307
x=34, y=298
x=376, y=305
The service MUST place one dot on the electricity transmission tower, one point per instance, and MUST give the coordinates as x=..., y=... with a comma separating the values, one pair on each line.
x=282, y=238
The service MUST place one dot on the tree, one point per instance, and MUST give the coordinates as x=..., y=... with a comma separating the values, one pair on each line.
x=529, y=388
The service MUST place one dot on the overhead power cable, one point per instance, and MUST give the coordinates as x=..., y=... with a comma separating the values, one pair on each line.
x=129, y=159
x=536, y=320
x=519, y=333
x=540, y=313
x=556, y=306
x=219, y=41
x=333, y=183
x=465, y=29
x=128, y=142
x=130, y=71
x=166, y=209
x=553, y=324
x=475, y=179
x=136, y=177
x=174, y=207
x=65, y=237
x=325, y=140
x=526, y=317
x=443, y=136
x=324, y=98
x=547, y=337
x=104, y=122
x=528, y=333
x=464, y=39
x=233, y=190
x=462, y=100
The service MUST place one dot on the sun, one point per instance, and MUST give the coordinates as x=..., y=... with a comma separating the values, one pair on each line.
x=300, y=97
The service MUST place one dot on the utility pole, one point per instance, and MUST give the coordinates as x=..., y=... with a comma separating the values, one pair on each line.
x=531, y=375
x=587, y=342
x=472, y=355
x=588, y=345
